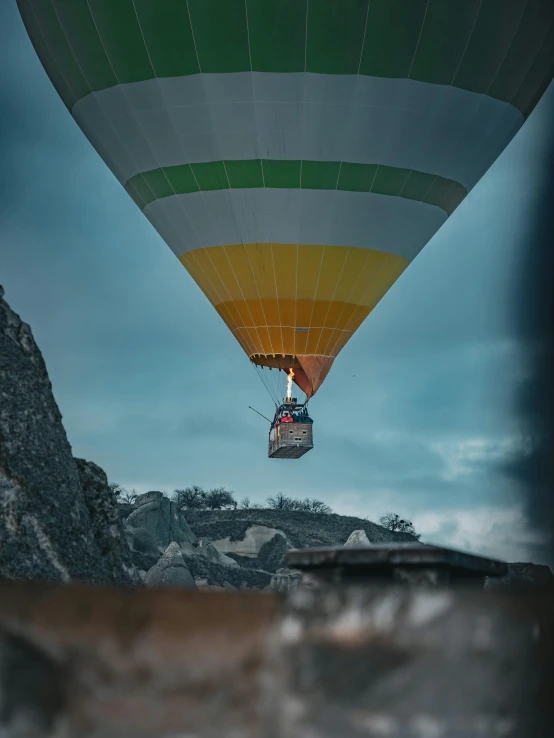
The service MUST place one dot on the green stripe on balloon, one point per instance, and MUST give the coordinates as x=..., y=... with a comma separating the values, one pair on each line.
x=444, y=193
x=501, y=49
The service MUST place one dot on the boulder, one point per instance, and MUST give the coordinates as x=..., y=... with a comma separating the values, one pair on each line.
x=154, y=523
x=358, y=538
x=171, y=570
x=47, y=526
x=162, y=519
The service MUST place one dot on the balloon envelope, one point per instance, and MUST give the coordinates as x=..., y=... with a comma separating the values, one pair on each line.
x=294, y=155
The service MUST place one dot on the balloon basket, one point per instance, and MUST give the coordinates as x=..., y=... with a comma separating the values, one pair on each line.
x=290, y=440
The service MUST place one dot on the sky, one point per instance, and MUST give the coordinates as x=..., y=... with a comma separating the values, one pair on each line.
x=425, y=413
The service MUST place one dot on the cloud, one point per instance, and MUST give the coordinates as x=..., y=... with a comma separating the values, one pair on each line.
x=498, y=531
x=454, y=491
x=470, y=455
x=505, y=533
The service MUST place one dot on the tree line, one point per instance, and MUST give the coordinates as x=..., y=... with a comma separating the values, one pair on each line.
x=219, y=498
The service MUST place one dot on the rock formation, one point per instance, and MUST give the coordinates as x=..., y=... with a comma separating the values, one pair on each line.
x=207, y=549
x=163, y=547
x=107, y=528
x=161, y=518
x=358, y=538
x=171, y=570
x=47, y=525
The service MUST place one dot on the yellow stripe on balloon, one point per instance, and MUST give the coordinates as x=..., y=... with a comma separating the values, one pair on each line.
x=284, y=300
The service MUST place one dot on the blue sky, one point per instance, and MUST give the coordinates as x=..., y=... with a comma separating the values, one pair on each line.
x=154, y=388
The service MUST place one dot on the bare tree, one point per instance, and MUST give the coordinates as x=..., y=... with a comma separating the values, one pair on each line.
x=191, y=498
x=281, y=502
x=392, y=521
x=123, y=496
x=317, y=506
x=129, y=496
x=244, y=504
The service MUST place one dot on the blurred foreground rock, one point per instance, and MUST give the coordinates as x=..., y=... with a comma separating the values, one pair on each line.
x=56, y=517
x=343, y=663
x=522, y=576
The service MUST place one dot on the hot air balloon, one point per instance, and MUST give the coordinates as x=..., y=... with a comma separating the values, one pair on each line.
x=296, y=155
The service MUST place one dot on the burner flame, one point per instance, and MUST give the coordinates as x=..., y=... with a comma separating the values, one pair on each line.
x=289, y=384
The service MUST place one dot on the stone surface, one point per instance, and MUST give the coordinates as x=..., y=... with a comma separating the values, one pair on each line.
x=145, y=551
x=348, y=663
x=107, y=528
x=358, y=538
x=143, y=541
x=171, y=570
x=46, y=528
x=387, y=662
x=94, y=662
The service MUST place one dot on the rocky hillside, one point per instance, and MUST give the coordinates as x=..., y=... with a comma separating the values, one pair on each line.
x=166, y=552
x=231, y=549
x=260, y=538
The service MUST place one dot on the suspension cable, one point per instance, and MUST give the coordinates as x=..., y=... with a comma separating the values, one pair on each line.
x=265, y=382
